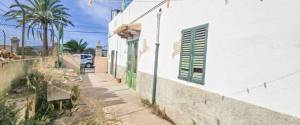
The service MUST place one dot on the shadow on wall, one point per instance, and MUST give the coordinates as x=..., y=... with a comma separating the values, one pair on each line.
x=12, y=70
x=72, y=61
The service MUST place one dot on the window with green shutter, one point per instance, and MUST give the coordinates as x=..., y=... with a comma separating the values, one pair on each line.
x=193, y=54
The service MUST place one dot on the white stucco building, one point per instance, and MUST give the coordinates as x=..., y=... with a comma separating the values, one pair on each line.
x=248, y=60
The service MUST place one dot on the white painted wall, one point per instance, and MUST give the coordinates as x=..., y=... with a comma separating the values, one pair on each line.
x=249, y=42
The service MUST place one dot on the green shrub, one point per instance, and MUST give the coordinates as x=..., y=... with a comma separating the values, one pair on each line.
x=35, y=78
x=8, y=113
x=194, y=122
x=75, y=93
x=45, y=112
x=36, y=121
x=28, y=50
x=146, y=102
x=41, y=98
x=18, y=83
x=59, y=64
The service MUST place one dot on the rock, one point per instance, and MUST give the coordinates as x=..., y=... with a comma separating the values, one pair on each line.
x=2, y=59
x=4, y=54
x=71, y=74
x=70, y=70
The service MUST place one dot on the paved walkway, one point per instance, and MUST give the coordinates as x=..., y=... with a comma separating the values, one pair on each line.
x=119, y=100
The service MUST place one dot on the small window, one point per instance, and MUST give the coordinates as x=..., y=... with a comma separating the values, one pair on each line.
x=85, y=56
x=193, y=54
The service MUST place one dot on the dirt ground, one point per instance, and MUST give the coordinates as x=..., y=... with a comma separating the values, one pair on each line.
x=88, y=110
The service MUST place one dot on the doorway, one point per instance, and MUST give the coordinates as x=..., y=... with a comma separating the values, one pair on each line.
x=132, y=54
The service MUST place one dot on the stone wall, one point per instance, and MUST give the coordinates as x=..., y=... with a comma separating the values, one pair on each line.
x=185, y=104
x=100, y=64
x=72, y=61
x=15, y=69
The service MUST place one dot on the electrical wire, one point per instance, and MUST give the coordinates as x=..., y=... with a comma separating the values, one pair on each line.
x=77, y=31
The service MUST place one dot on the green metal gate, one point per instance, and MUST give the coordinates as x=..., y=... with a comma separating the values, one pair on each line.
x=132, y=63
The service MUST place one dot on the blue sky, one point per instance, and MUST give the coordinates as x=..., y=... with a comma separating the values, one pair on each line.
x=86, y=18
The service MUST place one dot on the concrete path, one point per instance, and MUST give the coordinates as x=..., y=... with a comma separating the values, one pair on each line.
x=119, y=100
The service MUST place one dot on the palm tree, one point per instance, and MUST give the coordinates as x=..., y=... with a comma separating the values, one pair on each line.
x=73, y=46
x=90, y=51
x=44, y=16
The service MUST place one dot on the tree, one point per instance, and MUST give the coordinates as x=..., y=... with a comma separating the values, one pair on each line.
x=74, y=46
x=43, y=16
x=90, y=51
x=28, y=51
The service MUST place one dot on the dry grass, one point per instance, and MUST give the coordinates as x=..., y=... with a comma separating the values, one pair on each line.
x=88, y=112
x=157, y=111
x=162, y=114
x=146, y=102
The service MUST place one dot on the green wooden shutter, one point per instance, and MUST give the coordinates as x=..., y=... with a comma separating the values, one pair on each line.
x=193, y=54
x=199, y=54
x=186, y=45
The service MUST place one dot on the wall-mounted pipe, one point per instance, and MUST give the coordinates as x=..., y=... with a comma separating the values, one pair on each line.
x=156, y=57
x=116, y=65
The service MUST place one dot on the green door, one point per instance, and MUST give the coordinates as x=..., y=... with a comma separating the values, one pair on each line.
x=132, y=63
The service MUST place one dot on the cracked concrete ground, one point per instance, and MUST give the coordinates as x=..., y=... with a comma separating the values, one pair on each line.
x=118, y=100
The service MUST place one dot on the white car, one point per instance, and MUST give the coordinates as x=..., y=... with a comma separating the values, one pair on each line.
x=87, y=60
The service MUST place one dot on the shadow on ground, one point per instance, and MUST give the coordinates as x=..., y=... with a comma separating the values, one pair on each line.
x=102, y=95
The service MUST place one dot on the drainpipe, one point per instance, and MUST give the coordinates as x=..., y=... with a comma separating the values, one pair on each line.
x=156, y=58
x=116, y=64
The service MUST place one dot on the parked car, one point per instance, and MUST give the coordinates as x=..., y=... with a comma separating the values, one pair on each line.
x=87, y=60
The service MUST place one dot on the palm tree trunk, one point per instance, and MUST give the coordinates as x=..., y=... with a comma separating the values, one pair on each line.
x=45, y=40
x=53, y=44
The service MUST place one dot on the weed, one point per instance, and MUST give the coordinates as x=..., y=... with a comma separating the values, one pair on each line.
x=194, y=122
x=9, y=114
x=77, y=70
x=162, y=114
x=41, y=98
x=21, y=87
x=18, y=83
x=146, y=102
x=157, y=111
x=75, y=93
x=36, y=77
x=36, y=121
